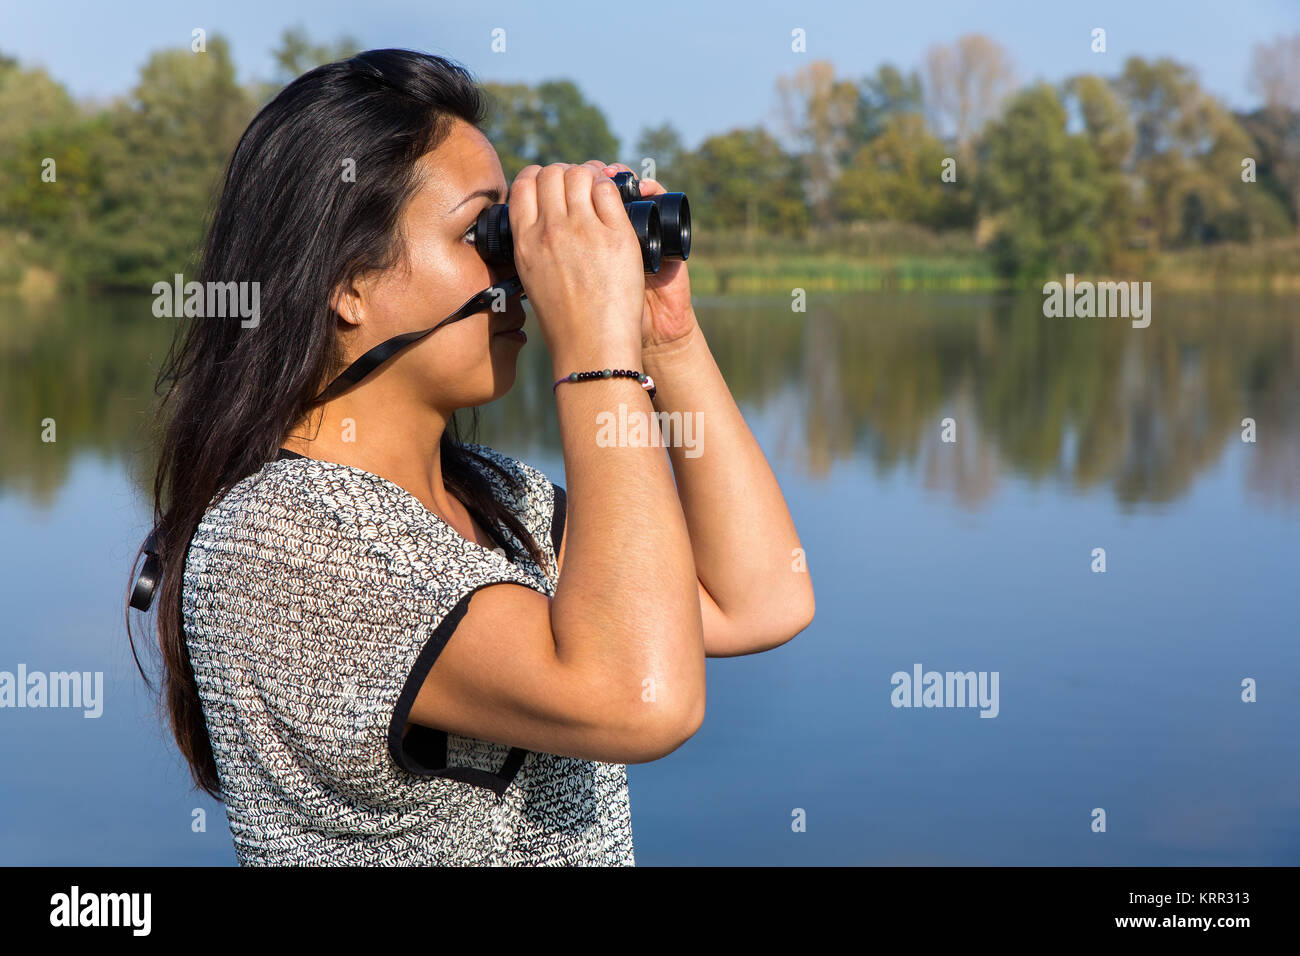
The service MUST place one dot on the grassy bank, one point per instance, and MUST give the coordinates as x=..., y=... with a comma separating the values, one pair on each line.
x=873, y=257
x=904, y=258
x=1271, y=265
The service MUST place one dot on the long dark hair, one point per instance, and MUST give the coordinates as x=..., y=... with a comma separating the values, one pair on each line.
x=289, y=219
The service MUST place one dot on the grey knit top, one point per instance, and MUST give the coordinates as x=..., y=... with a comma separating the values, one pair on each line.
x=316, y=598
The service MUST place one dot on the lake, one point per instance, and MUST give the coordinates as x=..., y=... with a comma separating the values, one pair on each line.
x=1120, y=691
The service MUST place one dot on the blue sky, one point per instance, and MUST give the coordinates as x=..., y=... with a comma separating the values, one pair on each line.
x=707, y=67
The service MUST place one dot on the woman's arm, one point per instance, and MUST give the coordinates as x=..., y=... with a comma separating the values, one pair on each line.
x=755, y=590
x=612, y=668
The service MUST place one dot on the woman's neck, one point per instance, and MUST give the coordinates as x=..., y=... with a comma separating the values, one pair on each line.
x=401, y=444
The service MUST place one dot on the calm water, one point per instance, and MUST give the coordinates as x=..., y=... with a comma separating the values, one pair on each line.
x=1120, y=691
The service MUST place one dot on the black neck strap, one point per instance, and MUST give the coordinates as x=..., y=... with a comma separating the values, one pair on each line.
x=382, y=352
x=146, y=583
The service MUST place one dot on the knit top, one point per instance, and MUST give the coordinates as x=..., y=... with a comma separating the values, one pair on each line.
x=316, y=598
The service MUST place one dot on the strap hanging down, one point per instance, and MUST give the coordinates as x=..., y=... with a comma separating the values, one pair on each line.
x=147, y=581
x=382, y=352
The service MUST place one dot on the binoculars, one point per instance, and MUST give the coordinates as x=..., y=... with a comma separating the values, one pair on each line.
x=662, y=224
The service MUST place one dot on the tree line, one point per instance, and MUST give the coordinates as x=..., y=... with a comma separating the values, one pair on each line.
x=1092, y=173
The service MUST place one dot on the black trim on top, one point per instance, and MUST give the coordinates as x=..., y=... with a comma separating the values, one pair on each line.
x=423, y=751
x=430, y=746
x=558, y=514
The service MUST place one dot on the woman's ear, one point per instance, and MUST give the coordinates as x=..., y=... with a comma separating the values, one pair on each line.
x=348, y=302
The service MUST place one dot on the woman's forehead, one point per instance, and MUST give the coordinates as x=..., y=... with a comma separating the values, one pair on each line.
x=464, y=163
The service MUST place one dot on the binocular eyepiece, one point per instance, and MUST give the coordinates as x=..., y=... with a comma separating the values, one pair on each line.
x=662, y=224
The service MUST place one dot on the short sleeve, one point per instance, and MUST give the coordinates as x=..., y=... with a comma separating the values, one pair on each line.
x=315, y=600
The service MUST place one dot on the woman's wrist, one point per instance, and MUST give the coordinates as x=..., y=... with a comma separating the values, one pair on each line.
x=587, y=358
x=661, y=356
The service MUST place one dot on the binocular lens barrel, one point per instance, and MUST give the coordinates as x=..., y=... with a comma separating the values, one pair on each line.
x=645, y=221
x=662, y=224
x=675, y=222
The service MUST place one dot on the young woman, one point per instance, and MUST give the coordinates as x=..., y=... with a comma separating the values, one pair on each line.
x=383, y=645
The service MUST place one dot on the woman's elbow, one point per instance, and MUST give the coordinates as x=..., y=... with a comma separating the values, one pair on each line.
x=790, y=617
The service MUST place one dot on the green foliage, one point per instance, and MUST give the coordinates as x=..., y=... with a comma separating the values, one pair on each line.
x=549, y=123
x=1275, y=133
x=662, y=144
x=1043, y=186
x=896, y=176
x=1107, y=127
x=296, y=54
x=1091, y=175
x=881, y=98
x=162, y=153
x=744, y=179
x=1187, y=153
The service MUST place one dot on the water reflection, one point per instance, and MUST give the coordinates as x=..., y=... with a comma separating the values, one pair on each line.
x=1079, y=402
x=1117, y=690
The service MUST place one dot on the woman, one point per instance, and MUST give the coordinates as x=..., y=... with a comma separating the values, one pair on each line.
x=318, y=559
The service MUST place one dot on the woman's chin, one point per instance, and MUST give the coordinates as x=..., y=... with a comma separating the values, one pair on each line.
x=503, y=371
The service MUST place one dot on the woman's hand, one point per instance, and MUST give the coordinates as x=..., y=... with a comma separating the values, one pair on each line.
x=668, y=316
x=579, y=259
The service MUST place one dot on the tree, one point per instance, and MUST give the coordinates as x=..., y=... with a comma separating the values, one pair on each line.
x=966, y=84
x=1110, y=132
x=1188, y=151
x=818, y=112
x=1275, y=72
x=161, y=154
x=881, y=97
x=663, y=145
x=1044, y=188
x=1271, y=205
x=744, y=179
x=1275, y=76
x=296, y=54
x=29, y=98
x=550, y=123
x=896, y=176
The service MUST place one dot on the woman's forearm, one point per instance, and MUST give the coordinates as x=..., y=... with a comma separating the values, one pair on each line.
x=746, y=549
x=626, y=608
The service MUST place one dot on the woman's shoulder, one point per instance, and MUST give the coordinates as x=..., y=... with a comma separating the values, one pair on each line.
x=306, y=493
x=333, y=522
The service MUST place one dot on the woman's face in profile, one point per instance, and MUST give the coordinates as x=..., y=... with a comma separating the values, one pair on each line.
x=465, y=362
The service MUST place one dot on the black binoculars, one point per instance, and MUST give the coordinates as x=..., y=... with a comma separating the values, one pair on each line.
x=662, y=224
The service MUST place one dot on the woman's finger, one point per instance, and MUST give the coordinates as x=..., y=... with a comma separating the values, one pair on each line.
x=523, y=198
x=551, y=202
x=578, y=182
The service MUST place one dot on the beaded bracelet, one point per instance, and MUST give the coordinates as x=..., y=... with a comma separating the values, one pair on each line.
x=646, y=381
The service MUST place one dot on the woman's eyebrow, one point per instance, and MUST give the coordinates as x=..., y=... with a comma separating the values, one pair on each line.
x=494, y=194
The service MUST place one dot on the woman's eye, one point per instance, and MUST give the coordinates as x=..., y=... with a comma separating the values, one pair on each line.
x=469, y=233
